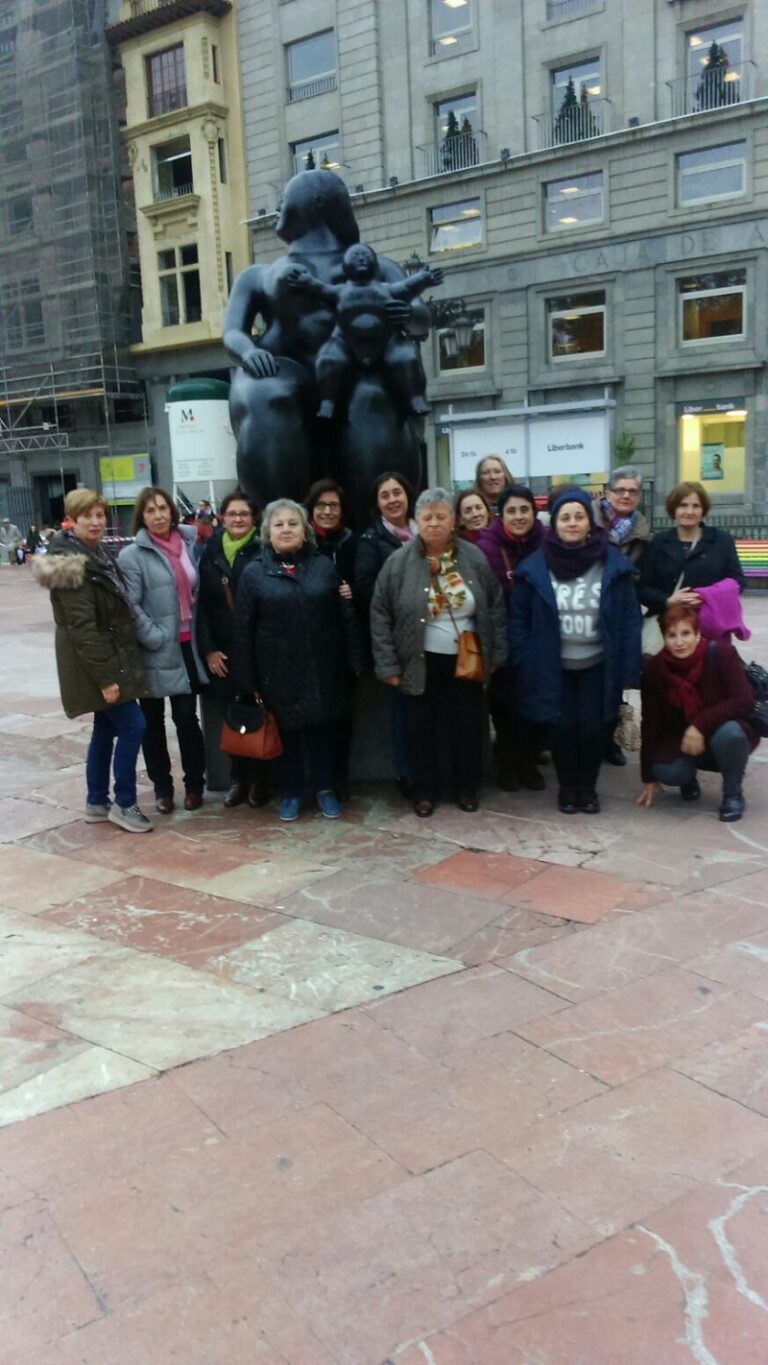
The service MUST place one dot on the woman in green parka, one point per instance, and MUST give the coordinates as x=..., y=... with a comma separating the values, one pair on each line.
x=98, y=657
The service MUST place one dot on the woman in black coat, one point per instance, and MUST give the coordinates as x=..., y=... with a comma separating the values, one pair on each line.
x=391, y=527
x=688, y=556
x=224, y=557
x=296, y=641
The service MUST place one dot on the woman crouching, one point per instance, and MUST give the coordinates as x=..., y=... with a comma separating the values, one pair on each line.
x=451, y=583
x=697, y=705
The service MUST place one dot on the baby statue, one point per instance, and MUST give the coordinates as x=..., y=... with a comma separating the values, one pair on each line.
x=368, y=312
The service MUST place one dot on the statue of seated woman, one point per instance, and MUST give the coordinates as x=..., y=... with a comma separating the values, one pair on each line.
x=281, y=444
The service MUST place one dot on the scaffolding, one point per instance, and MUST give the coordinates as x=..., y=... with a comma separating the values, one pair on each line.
x=65, y=276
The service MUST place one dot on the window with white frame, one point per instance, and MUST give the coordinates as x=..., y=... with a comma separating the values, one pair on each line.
x=585, y=76
x=576, y=325
x=321, y=153
x=712, y=173
x=455, y=227
x=172, y=169
x=716, y=69
x=712, y=306
x=456, y=123
x=311, y=66
x=179, y=275
x=452, y=26
x=573, y=202
x=450, y=356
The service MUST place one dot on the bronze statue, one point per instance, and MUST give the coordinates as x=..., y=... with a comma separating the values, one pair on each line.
x=319, y=348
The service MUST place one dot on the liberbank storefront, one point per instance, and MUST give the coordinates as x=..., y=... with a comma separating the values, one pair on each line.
x=541, y=446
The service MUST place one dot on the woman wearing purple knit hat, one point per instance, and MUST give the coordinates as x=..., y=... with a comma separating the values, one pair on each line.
x=574, y=634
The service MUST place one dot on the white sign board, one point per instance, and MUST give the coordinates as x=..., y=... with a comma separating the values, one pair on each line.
x=565, y=443
x=202, y=441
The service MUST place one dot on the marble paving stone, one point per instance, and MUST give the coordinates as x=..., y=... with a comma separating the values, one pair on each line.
x=156, y=1011
x=328, y=969
x=621, y=1301
x=33, y=881
x=492, y=876
x=577, y=894
x=482, y=1002
x=743, y=964
x=481, y=1099
x=43, y=1292
x=90, y=1071
x=29, y=1048
x=172, y=921
x=330, y=1061
x=267, y=882
x=736, y=1067
x=627, y=947
x=649, y=1023
x=545, y=839
x=37, y=728
x=192, y=1323
x=31, y=949
x=405, y=912
x=510, y=933
x=20, y=817
x=171, y=849
x=621, y=1156
x=67, y=789
x=686, y=865
x=25, y=779
x=753, y=887
x=383, y=853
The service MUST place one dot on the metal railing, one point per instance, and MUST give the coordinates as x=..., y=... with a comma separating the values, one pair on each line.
x=306, y=89
x=175, y=192
x=457, y=153
x=575, y=123
x=569, y=9
x=140, y=7
x=714, y=87
x=165, y=101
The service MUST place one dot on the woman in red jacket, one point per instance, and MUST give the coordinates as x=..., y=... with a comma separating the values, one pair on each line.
x=697, y=708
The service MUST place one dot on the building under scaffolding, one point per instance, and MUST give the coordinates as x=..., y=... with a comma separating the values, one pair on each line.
x=68, y=394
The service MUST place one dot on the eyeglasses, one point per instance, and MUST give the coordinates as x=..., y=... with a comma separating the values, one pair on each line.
x=238, y=516
x=626, y=492
x=327, y=506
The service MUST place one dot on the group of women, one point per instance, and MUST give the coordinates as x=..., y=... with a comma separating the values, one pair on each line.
x=445, y=599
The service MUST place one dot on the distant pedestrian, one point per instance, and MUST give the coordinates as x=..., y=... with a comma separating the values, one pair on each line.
x=10, y=538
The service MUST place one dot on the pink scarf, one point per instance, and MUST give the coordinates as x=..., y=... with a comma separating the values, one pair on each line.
x=175, y=551
x=401, y=533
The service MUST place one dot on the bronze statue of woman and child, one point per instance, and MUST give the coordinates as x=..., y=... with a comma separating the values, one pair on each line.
x=333, y=384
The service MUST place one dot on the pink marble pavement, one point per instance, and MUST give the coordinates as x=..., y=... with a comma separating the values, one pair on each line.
x=481, y=1090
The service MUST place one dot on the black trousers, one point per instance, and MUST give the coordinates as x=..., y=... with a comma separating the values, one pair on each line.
x=578, y=736
x=319, y=741
x=445, y=722
x=190, y=737
x=518, y=741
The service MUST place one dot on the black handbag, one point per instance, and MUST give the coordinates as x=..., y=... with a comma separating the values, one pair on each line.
x=758, y=681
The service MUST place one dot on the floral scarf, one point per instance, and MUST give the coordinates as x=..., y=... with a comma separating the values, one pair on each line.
x=619, y=528
x=447, y=589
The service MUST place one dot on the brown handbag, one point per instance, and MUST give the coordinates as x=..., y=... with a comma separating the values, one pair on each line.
x=469, y=660
x=254, y=733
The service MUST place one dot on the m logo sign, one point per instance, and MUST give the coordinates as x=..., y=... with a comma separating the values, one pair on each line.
x=187, y=415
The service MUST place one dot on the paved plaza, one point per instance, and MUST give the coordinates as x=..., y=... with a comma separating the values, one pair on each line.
x=483, y=1090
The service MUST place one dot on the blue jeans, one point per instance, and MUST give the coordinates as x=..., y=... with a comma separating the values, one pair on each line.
x=124, y=724
x=727, y=752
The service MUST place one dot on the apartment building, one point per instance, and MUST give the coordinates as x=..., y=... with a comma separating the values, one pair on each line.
x=593, y=177
x=183, y=137
x=69, y=396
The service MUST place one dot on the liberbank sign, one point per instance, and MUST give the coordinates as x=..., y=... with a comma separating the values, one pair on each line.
x=533, y=442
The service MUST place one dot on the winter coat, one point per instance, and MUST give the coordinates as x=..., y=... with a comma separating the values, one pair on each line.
x=296, y=639
x=153, y=595
x=341, y=548
x=399, y=616
x=96, y=641
x=216, y=592
x=638, y=540
x=374, y=548
x=534, y=636
x=725, y=694
x=501, y=552
x=712, y=558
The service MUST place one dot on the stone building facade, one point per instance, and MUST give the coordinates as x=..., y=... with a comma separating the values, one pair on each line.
x=593, y=177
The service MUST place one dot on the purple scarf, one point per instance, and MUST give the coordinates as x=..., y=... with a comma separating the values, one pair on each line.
x=566, y=562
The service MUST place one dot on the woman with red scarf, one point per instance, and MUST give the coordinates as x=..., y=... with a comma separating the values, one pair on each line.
x=473, y=514
x=697, y=705
x=509, y=538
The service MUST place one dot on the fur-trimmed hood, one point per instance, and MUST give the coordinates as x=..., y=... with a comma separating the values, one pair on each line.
x=63, y=570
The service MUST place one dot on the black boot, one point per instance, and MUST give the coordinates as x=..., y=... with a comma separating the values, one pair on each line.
x=236, y=795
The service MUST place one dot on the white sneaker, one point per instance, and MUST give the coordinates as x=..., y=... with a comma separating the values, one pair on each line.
x=131, y=819
x=95, y=814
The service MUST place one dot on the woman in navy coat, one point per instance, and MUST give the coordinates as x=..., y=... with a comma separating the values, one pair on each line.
x=574, y=636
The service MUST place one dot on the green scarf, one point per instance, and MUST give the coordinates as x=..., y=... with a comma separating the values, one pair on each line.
x=232, y=547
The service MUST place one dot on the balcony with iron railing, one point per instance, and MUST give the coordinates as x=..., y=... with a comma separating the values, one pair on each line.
x=570, y=9
x=573, y=123
x=304, y=90
x=715, y=87
x=457, y=152
x=172, y=192
x=165, y=101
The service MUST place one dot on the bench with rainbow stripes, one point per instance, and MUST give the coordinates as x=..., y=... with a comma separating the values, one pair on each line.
x=754, y=557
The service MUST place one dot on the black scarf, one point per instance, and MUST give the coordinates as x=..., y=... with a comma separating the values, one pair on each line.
x=566, y=562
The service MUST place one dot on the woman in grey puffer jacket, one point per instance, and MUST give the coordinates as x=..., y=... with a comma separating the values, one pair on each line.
x=161, y=576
